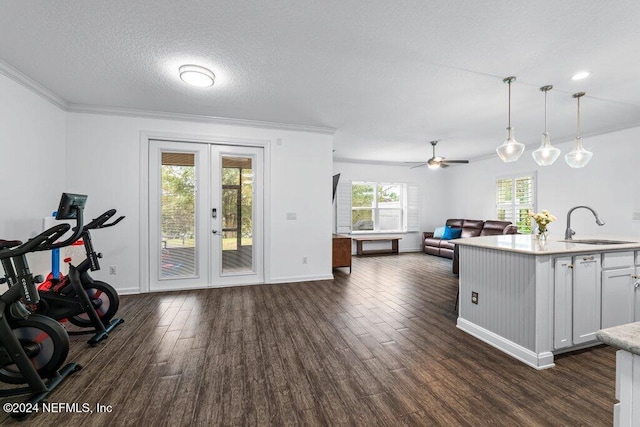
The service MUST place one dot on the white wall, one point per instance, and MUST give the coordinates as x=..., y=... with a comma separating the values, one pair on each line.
x=610, y=184
x=432, y=194
x=33, y=164
x=103, y=153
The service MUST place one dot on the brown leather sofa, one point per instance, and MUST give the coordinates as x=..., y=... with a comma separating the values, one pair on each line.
x=470, y=228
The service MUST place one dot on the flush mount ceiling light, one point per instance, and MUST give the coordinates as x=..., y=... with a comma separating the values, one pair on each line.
x=196, y=75
x=546, y=154
x=580, y=75
x=578, y=157
x=511, y=149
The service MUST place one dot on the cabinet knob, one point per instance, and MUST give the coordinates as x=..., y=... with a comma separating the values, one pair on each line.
x=587, y=258
x=570, y=265
x=635, y=276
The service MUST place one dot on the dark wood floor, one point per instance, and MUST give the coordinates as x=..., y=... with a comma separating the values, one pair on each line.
x=377, y=347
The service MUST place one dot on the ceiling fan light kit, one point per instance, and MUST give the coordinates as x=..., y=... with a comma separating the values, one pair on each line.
x=578, y=157
x=510, y=150
x=437, y=162
x=546, y=154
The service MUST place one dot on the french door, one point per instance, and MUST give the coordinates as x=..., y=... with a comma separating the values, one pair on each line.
x=205, y=215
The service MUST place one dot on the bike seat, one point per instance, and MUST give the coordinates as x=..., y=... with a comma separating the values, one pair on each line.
x=5, y=244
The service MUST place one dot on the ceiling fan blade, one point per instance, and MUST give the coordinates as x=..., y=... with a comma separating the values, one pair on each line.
x=456, y=161
x=418, y=166
x=443, y=165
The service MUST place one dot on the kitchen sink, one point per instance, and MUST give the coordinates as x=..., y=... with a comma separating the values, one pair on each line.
x=597, y=241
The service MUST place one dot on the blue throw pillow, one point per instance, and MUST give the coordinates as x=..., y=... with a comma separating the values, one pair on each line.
x=438, y=232
x=451, y=233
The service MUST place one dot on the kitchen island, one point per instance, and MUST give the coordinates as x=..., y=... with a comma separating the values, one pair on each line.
x=534, y=300
x=627, y=339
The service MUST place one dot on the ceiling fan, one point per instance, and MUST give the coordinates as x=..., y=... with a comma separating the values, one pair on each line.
x=437, y=161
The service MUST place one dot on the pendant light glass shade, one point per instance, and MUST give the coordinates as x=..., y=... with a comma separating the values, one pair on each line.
x=578, y=157
x=510, y=150
x=546, y=154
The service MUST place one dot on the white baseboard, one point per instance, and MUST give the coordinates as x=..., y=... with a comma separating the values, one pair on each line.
x=128, y=291
x=535, y=360
x=300, y=279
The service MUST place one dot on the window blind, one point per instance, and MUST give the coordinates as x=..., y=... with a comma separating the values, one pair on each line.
x=515, y=196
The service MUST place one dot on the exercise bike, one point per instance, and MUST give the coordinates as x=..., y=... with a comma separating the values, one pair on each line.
x=33, y=347
x=77, y=297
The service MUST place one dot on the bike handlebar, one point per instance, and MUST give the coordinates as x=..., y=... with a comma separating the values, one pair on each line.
x=42, y=242
x=99, y=222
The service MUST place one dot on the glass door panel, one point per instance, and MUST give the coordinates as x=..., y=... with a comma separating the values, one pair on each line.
x=238, y=226
x=178, y=215
x=237, y=214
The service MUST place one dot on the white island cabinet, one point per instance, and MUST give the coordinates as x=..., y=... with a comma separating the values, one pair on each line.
x=534, y=301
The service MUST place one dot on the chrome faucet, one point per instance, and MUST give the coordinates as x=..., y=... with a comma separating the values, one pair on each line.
x=569, y=232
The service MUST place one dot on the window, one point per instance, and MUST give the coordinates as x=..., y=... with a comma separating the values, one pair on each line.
x=377, y=206
x=515, y=196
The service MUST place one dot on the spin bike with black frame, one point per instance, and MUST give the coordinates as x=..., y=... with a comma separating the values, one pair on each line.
x=78, y=298
x=33, y=347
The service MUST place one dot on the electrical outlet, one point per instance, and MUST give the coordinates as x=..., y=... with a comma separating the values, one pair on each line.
x=113, y=270
x=291, y=216
x=304, y=259
x=474, y=297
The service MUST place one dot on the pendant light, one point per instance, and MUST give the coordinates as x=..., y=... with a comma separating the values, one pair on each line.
x=546, y=154
x=578, y=157
x=510, y=150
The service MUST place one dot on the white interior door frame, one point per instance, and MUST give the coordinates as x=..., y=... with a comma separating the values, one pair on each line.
x=143, y=241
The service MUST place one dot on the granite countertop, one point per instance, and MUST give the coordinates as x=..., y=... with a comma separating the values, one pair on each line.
x=625, y=337
x=526, y=243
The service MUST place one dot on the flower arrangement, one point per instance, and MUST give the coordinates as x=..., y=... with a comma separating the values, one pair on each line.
x=542, y=219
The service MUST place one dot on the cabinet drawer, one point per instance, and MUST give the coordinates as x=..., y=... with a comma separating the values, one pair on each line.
x=617, y=259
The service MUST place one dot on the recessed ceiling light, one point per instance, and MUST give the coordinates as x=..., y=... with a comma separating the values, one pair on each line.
x=196, y=75
x=581, y=75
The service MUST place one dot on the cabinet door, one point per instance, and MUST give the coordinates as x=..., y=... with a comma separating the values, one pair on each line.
x=562, y=309
x=586, y=298
x=617, y=297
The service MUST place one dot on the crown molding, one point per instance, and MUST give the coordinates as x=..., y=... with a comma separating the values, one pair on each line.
x=35, y=87
x=113, y=111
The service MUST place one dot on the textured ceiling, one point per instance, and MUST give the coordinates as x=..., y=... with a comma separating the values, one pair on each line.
x=389, y=76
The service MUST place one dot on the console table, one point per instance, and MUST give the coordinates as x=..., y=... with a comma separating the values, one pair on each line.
x=362, y=239
x=341, y=256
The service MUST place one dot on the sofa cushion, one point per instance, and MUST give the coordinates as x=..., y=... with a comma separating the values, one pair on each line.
x=438, y=232
x=472, y=227
x=451, y=233
x=433, y=242
x=455, y=223
x=447, y=244
x=493, y=228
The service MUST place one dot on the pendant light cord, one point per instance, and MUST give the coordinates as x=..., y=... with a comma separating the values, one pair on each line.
x=545, y=111
x=578, y=117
